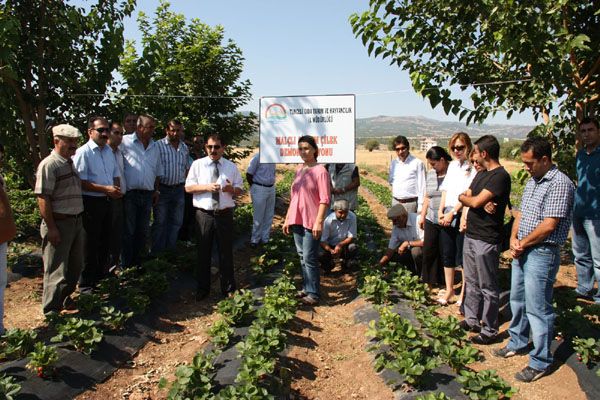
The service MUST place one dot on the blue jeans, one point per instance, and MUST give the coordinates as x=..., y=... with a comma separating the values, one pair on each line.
x=168, y=218
x=137, y=208
x=586, y=250
x=532, y=283
x=308, y=250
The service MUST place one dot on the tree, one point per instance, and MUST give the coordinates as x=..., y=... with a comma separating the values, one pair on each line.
x=372, y=144
x=189, y=73
x=50, y=52
x=548, y=51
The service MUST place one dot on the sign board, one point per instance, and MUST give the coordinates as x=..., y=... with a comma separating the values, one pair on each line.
x=330, y=119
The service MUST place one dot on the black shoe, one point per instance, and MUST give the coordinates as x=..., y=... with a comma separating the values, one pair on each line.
x=483, y=339
x=466, y=327
x=253, y=245
x=587, y=296
x=201, y=294
x=505, y=352
x=529, y=374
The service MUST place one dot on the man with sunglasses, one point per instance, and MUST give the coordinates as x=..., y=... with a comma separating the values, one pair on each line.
x=407, y=177
x=214, y=182
x=100, y=182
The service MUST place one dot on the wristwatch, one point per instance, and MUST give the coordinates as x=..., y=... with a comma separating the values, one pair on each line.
x=409, y=245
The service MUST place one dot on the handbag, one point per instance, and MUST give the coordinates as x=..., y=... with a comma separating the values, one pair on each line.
x=507, y=230
x=8, y=229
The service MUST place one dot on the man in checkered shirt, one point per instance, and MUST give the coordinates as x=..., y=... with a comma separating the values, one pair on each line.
x=539, y=231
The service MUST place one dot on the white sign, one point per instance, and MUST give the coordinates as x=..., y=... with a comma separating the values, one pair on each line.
x=329, y=119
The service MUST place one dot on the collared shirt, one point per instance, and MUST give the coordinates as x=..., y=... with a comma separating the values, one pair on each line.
x=263, y=174
x=174, y=162
x=119, y=160
x=141, y=166
x=548, y=197
x=587, y=194
x=407, y=178
x=334, y=230
x=97, y=165
x=458, y=179
x=57, y=178
x=412, y=231
x=201, y=173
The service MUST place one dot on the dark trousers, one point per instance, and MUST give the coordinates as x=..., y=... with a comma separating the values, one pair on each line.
x=432, y=268
x=116, y=234
x=348, y=253
x=187, y=228
x=210, y=228
x=97, y=223
x=137, y=209
x=412, y=260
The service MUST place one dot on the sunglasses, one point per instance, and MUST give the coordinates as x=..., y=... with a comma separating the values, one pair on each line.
x=102, y=130
x=401, y=148
x=213, y=147
x=458, y=148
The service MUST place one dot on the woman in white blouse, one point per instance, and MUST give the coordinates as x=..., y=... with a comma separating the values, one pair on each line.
x=458, y=179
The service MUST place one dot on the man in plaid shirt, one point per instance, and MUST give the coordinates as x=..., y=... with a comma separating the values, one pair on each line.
x=539, y=231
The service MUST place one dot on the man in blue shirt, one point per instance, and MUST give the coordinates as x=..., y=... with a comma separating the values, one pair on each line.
x=586, y=211
x=99, y=174
x=168, y=212
x=339, y=231
x=261, y=178
x=539, y=231
x=142, y=166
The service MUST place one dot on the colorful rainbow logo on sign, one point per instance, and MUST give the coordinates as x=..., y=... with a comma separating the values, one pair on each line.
x=275, y=113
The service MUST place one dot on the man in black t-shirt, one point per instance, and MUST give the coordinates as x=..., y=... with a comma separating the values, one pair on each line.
x=487, y=198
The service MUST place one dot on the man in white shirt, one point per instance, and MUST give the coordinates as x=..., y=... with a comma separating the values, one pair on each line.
x=407, y=177
x=339, y=232
x=406, y=242
x=214, y=182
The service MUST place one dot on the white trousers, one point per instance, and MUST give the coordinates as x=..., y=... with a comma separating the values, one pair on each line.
x=263, y=205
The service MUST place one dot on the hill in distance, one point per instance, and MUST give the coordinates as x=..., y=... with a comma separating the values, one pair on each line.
x=411, y=126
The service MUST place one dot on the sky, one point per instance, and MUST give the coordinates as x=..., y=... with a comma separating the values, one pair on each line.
x=307, y=48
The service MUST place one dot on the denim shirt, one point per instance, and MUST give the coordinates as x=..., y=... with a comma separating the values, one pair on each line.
x=587, y=195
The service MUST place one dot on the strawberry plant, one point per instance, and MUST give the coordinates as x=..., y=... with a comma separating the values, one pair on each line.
x=457, y=357
x=114, y=319
x=237, y=308
x=9, y=387
x=193, y=381
x=434, y=396
x=42, y=360
x=81, y=333
x=375, y=288
x=220, y=333
x=136, y=300
x=588, y=351
x=383, y=193
x=484, y=385
x=17, y=343
x=244, y=392
x=109, y=287
x=87, y=303
x=152, y=283
x=255, y=369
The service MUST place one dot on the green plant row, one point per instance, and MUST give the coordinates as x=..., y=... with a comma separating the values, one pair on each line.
x=374, y=171
x=282, y=187
x=383, y=193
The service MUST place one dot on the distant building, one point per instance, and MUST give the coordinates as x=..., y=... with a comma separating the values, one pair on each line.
x=427, y=143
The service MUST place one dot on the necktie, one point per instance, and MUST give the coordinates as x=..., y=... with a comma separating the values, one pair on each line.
x=215, y=177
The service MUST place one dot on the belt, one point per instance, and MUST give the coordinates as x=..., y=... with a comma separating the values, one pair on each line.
x=260, y=184
x=173, y=186
x=216, y=212
x=87, y=197
x=407, y=200
x=142, y=191
x=60, y=217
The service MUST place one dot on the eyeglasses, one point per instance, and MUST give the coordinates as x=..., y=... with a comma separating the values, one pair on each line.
x=102, y=130
x=116, y=132
x=213, y=147
x=458, y=148
x=401, y=148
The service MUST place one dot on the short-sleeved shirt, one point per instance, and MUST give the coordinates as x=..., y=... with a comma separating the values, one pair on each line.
x=174, y=162
x=412, y=231
x=263, y=174
x=97, y=165
x=458, y=179
x=334, y=230
x=433, y=185
x=57, y=178
x=201, y=173
x=142, y=165
x=310, y=188
x=483, y=226
x=587, y=195
x=548, y=197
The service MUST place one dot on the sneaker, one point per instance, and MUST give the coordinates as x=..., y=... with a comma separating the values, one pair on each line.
x=505, y=352
x=483, y=339
x=529, y=374
x=466, y=327
x=300, y=294
x=309, y=300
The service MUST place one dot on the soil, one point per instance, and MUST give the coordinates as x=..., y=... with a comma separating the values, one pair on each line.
x=326, y=351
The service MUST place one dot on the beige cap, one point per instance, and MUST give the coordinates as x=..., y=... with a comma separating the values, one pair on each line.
x=66, y=130
x=396, y=211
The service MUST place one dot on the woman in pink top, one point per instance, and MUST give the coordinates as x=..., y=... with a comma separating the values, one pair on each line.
x=310, y=197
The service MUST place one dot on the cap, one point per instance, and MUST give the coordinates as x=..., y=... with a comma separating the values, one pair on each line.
x=396, y=211
x=66, y=130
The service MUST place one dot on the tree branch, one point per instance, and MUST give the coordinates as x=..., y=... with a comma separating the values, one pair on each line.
x=591, y=72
